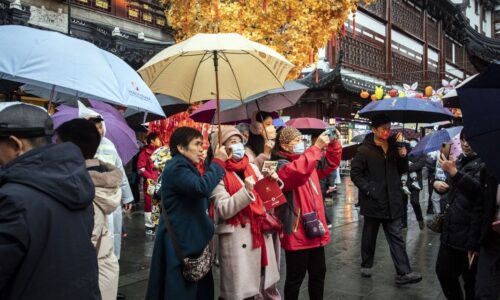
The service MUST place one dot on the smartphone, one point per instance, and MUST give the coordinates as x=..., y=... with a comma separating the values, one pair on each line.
x=445, y=149
x=332, y=132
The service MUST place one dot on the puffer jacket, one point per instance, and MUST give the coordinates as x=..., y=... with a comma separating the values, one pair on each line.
x=465, y=190
x=107, y=180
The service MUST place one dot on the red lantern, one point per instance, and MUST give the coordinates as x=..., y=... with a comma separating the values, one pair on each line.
x=393, y=93
x=374, y=97
x=364, y=94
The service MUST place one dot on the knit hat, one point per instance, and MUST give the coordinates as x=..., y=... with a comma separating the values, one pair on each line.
x=288, y=134
x=379, y=120
x=226, y=133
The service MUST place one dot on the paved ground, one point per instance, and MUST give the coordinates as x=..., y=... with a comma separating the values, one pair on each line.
x=343, y=259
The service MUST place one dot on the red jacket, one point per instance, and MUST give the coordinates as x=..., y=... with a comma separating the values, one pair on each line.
x=301, y=176
x=145, y=166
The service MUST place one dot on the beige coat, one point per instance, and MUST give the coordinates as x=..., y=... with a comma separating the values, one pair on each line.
x=107, y=198
x=240, y=265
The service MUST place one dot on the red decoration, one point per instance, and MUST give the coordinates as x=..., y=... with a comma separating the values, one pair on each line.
x=290, y=15
x=333, y=40
x=216, y=10
x=264, y=5
x=354, y=24
x=343, y=30
x=311, y=55
x=317, y=73
x=393, y=93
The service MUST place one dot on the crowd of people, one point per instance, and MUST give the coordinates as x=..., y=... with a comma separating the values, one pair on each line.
x=61, y=209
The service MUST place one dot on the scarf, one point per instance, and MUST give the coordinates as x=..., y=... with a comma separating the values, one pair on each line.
x=255, y=212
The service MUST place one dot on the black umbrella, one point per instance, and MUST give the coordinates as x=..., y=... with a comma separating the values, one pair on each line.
x=480, y=103
x=407, y=110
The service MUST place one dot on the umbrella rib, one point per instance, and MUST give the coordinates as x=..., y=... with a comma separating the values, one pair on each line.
x=277, y=79
x=195, y=75
x=165, y=67
x=234, y=75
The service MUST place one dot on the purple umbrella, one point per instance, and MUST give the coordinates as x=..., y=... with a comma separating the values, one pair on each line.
x=234, y=111
x=117, y=129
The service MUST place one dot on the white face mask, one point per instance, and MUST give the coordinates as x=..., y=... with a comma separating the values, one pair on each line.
x=299, y=148
x=413, y=144
x=238, y=151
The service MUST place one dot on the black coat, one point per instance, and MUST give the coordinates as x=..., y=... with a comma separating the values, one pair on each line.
x=485, y=209
x=46, y=221
x=378, y=178
x=465, y=191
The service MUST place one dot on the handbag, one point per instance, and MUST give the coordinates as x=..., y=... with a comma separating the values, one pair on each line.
x=270, y=192
x=271, y=224
x=436, y=224
x=193, y=269
x=313, y=227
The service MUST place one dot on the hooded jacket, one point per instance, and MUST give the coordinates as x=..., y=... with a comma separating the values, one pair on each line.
x=378, y=178
x=46, y=221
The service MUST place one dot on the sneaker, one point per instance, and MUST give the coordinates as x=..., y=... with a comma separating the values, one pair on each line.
x=406, y=190
x=421, y=225
x=408, y=278
x=150, y=231
x=366, y=272
x=416, y=186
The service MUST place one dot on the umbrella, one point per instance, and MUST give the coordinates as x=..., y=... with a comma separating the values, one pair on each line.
x=308, y=125
x=62, y=64
x=272, y=100
x=117, y=129
x=451, y=98
x=206, y=113
x=435, y=140
x=349, y=151
x=479, y=101
x=407, y=110
x=279, y=122
x=170, y=106
x=224, y=65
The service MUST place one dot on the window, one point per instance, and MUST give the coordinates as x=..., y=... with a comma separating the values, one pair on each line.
x=476, y=7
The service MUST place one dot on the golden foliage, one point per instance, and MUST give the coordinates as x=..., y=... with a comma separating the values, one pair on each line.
x=294, y=28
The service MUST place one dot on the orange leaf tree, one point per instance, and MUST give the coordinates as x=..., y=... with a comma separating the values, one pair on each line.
x=294, y=28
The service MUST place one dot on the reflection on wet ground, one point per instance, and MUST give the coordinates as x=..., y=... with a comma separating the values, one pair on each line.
x=343, y=280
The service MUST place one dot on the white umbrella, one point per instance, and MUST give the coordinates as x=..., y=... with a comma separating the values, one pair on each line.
x=65, y=65
x=224, y=65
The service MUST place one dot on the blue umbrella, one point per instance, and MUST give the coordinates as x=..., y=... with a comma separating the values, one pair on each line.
x=435, y=140
x=62, y=64
x=407, y=110
x=480, y=103
x=279, y=122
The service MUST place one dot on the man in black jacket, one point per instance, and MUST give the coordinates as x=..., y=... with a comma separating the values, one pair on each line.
x=486, y=226
x=46, y=213
x=376, y=171
x=459, y=241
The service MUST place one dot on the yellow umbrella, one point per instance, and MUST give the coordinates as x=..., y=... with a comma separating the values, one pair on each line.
x=223, y=65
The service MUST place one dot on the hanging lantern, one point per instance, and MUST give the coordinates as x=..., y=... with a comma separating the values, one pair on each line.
x=428, y=91
x=393, y=93
x=379, y=92
x=374, y=97
x=364, y=94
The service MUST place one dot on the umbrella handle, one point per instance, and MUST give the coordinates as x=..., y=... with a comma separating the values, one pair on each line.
x=216, y=66
x=258, y=109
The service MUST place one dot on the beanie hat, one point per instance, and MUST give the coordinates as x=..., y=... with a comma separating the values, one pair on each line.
x=288, y=134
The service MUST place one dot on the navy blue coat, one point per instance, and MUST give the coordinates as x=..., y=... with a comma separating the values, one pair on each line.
x=46, y=222
x=185, y=194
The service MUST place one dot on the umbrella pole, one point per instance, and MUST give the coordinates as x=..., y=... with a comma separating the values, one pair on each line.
x=258, y=109
x=216, y=66
x=51, y=97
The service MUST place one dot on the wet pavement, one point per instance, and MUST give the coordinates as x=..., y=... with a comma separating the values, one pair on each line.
x=343, y=280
